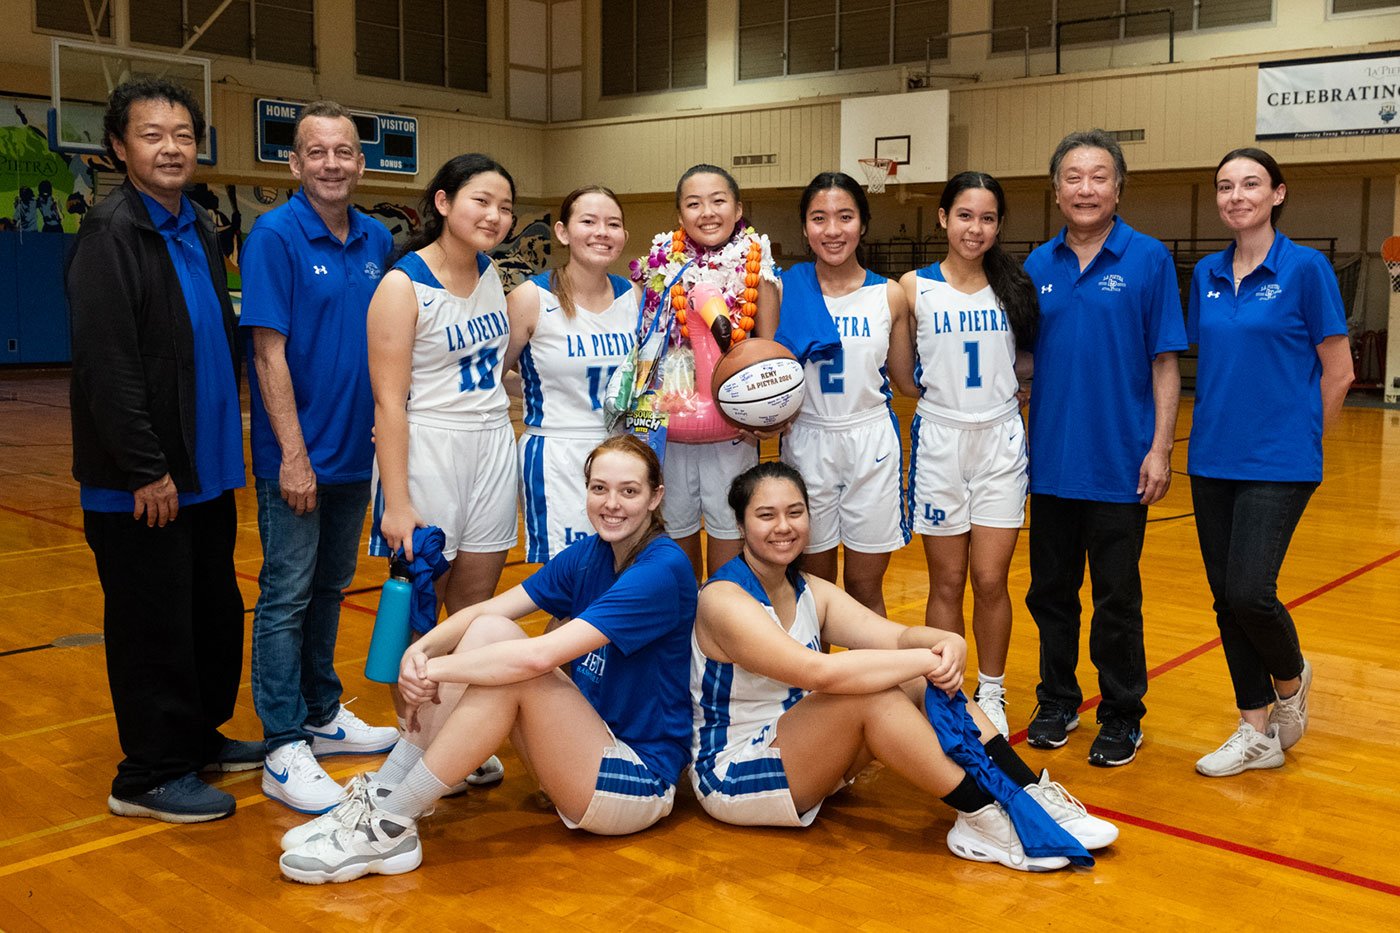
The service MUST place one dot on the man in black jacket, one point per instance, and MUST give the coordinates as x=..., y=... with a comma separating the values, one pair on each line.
x=158, y=451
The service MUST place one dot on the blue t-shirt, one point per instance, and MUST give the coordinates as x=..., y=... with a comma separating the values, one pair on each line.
x=640, y=681
x=218, y=439
x=1258, y=412
x=302, y=282
x=1092, y=415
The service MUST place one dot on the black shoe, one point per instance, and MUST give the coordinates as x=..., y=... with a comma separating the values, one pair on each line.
x=1117, y=743
x=1051, y=725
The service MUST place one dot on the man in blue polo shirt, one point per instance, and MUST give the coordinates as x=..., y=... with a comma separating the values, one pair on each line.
x=309, y=270
x=1102, y=418
x=158, y=451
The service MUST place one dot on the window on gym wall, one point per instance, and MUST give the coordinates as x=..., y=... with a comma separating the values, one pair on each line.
x=791, y=37
x=72, y=16
x=1190, y=15
x=438, y=42
x=281, y=31
x=1364, y=6
x=652, y=46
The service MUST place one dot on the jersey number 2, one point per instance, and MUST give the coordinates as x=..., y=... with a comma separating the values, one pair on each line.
x=832, y=374
x=479, y=372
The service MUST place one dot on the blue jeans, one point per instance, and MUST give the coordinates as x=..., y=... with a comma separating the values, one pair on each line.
x=1064, y=534
x=1244, y=528
x=307, y=561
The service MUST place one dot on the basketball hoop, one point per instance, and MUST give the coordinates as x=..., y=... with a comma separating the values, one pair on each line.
x=1390, y=252
x=877, y=173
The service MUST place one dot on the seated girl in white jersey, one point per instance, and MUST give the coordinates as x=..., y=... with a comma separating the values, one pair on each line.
x=569, y=330
x=607, y=745
x=780, y=725
x=850, y=329
x=975, y=318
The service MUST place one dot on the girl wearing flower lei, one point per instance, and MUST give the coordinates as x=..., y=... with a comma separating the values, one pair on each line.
x=713, y=246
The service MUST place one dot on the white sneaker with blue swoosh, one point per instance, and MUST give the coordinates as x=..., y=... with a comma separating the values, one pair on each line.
x=348, y=734
x=292, y=776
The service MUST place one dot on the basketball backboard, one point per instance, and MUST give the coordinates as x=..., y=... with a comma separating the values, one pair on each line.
x=83, y=75
x=910, y=129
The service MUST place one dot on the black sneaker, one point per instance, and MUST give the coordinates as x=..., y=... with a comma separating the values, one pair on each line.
x=1051, y=725
x=1117, y=743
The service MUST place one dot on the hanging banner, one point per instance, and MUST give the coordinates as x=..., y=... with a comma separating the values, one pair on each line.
x=1313, y=98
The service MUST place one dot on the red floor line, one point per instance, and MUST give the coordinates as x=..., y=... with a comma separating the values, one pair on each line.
x=40, y=518
x=1262, y=855
x=1201, y=649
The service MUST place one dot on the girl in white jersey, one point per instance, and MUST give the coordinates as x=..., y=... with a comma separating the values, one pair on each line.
x=973, y=314
x=569, y=330
x=714, y=245
x=779, y=725
x=846, y=438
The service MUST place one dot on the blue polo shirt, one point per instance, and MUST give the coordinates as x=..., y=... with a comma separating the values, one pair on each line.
x=302, y=282
x=1258, y=412
x=218, y=439
x=1092, y=415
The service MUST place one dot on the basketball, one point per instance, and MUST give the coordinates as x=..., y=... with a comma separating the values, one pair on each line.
x=758, y=384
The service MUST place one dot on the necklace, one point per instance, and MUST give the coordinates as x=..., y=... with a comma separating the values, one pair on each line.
x=734, y=268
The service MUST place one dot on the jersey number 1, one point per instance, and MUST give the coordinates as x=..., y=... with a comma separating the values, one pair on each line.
x=974, y=370
x=479, y=372
x=598, y=381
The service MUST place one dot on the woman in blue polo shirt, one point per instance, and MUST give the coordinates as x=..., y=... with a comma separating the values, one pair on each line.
x=606, y=742
x=1274, y=369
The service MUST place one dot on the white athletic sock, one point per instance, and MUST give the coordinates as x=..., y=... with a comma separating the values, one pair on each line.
x=999, y=680
x=415, y=794
x=400, y=762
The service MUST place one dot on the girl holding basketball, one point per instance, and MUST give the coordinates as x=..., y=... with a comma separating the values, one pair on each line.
x=607, y=742
x=846, y=439
x=779, y=725
x=1273, y=371
x=975, y=313
x=713, y=245
x=569, y=330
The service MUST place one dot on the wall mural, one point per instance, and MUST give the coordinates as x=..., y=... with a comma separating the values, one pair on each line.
x=47, y=192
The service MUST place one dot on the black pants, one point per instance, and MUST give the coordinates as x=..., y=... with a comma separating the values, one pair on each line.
x=1063, y=533
x=1244, y=528
x=173, y=622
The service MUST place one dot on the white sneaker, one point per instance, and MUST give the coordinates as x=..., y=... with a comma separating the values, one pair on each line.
x=292, y=776
x=1247, y=748
x=1289, y=717
x=988, y=836
x=348, y=734
x=351, y=809
x=490, y=772
x=1073, y=817
x=381, y=843
x=992, y=699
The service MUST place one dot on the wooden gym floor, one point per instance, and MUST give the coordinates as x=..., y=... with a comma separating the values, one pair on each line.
x=1305, y=843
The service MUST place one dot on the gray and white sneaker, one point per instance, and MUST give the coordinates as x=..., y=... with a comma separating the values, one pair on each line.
x=992, y=699
x=380, y=844
x=1073, y=817
x=1289, y=716
x=490, y=772
x=988, y=836
x=358, y=794
x=1248, y=748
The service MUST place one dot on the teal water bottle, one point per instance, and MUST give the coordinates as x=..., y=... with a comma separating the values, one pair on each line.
x=392, y=632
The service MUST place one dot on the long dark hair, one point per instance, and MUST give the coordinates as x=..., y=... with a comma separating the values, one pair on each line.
x=631, y=444
x=1009, y=281
x=1270, y=165
x=826, y=181
x=558, y=281
x=455, y=173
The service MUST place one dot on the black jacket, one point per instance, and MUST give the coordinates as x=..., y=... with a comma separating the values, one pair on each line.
x=133, y=390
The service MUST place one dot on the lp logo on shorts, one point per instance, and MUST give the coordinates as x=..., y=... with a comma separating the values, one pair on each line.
x=934, y=516
x=570, y=536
